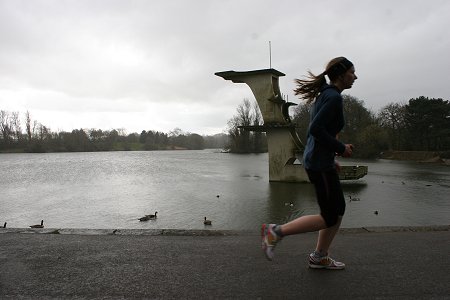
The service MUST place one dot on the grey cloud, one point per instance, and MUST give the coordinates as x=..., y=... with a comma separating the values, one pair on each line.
x=123, y=57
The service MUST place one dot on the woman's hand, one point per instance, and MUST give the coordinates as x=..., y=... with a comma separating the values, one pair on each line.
x=348, y=150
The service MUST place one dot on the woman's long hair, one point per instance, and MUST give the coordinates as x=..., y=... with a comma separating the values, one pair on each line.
x=309, y=88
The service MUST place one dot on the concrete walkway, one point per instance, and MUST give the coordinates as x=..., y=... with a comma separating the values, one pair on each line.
x=382, y=263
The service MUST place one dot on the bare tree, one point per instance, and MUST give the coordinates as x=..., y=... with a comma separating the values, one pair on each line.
x=28, y=125
x=392, y=119
x=258, y=141
x=5, y=128
x=15, y=126
x=241, y=138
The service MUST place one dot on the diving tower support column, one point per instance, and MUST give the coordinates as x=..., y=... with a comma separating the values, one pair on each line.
x=282, y=139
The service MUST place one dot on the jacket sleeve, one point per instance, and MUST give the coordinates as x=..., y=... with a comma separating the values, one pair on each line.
x=332, y=108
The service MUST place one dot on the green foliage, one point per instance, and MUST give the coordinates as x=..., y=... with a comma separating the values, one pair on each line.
x=370, y=141
x=421, y=125
x=152, y=140
x=427, y=123
x=357, y=118
x=392, y=119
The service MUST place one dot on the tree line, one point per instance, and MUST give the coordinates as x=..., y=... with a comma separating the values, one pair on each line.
x=36, y=137
x=422, y=124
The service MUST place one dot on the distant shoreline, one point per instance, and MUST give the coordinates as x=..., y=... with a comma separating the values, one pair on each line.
x=417, y=156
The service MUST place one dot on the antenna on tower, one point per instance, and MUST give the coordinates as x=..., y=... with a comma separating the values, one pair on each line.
x=270, y=54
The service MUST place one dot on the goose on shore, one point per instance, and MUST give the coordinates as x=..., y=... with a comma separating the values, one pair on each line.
x=38, y=226
x=207, y=222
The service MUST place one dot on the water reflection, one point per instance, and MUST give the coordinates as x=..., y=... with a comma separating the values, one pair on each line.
x=353, y=188
x=287, y=198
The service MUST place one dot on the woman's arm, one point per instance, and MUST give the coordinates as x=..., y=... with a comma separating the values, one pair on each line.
x=331, y=108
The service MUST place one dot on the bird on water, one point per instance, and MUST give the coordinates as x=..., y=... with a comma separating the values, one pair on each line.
x=38, y=225
x=148, y=217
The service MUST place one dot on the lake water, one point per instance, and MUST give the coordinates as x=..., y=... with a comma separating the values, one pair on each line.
x=114, y=189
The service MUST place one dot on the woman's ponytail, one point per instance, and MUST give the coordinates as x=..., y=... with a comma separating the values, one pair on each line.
x=309, y=88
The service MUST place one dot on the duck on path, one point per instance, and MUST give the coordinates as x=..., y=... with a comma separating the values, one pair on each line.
x=38, y=226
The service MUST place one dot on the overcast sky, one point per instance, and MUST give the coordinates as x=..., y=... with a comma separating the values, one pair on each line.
x=149, y=65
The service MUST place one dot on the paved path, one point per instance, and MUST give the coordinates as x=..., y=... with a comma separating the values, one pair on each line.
x=196, y=265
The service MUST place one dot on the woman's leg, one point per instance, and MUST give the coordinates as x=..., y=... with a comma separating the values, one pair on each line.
x=326, y=237
x=333, y=208
x=312, y=222
x=303, y=224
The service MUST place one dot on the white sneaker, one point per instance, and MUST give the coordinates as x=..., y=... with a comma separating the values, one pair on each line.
x=324, y=262
x=269, y=239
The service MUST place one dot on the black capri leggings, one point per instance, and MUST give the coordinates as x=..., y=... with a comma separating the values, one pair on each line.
x=329, y=194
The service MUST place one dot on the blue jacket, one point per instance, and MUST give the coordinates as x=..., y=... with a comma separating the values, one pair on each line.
x=327, y=120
